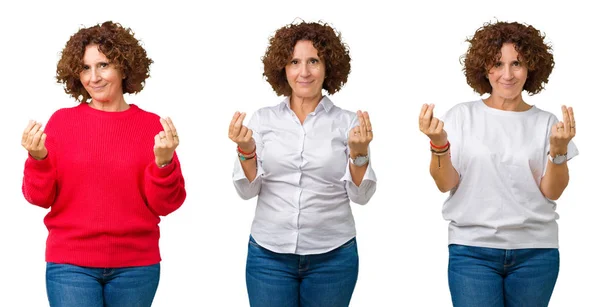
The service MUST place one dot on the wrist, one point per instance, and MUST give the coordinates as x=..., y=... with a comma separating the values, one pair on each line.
x=247, y=150
x=162, y=164
x=557, y=151
x=438, y=143
x=39, y=155
x=353, y=154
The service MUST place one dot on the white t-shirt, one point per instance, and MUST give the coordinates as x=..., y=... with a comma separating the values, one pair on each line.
x=501, y=157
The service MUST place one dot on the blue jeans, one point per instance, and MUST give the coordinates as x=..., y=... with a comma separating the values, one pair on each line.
x=491, y=277
x=70, y=285
x=289, y=280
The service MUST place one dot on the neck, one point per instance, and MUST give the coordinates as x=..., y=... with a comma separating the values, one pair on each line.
x=304, y=105
x=116, y=105
x=516, y=104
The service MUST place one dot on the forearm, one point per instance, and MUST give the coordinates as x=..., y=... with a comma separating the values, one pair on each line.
x=361, y=183
x=443, y=172
x=250, y=169
x=555, y=180
x=39, y=182
x=164, y=188
x=357, y=173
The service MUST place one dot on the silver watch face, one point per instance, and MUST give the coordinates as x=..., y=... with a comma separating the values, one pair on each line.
x=360, y=160
x=559, y=159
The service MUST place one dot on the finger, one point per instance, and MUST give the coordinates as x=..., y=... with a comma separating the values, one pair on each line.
x=172, y=127
x=571, y=117
x=367, y=122
x=35, y=142
x=36, y=127
x=167, y=130
x=30, y=125
x=560, y=128
x=233, y=120
x=361, y=124
x=157, y=141
x=237, y=126
x=433, y=125
x=43, y=141
x=428, y=116
x=162, y=137
x=439, y=127
x=354, y=132
x=423, y=110
x=243, y=131
x=248, y=135
x=566, y=119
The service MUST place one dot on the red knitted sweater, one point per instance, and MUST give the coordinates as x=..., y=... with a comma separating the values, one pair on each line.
x=103, y=188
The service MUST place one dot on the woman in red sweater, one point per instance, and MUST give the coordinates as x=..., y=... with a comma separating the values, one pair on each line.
x=107, y=170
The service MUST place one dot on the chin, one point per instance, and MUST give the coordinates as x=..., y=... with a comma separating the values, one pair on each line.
x=510, y=95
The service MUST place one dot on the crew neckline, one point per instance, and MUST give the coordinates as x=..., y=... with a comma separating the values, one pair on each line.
x=489, y=109
x=118, y=114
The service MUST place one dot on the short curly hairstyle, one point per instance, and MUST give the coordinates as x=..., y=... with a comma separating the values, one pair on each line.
x=119, y=46
x=485, y=50
x=325, y=39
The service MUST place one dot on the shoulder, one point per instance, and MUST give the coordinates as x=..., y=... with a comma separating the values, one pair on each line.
x=66, y=114
x=461, y=110
x=344, y=115
x=543, y=114
x=141, y=113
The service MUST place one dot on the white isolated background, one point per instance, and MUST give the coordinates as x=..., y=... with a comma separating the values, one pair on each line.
x=208, y=65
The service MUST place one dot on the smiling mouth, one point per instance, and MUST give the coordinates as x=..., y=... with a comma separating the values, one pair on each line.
x=97, y=88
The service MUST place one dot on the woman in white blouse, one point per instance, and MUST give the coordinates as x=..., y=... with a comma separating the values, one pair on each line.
x=306, y=159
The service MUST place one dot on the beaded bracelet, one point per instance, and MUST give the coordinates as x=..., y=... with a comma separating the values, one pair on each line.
x=439, y=147
x=244, y=158
x=446, y=150
x=239, y=150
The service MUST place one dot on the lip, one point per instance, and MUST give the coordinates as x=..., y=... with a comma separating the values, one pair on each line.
x=98, y=88
x=507, y=84
x=304, y=83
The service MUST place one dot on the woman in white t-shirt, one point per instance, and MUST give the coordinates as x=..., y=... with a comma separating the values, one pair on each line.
x=505, y=163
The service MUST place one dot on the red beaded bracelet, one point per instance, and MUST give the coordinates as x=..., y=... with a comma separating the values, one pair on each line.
x=439, y=147
x=246, y=153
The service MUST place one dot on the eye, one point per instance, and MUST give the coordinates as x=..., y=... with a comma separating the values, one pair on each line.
x=103, y=65
x=516, y=63
x=294, y=62
x=314, y=61
x=86, y=67
x=497, y=64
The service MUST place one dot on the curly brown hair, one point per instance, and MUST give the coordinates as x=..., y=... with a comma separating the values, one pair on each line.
x=485, y=48
x=325, y=39
x=119, y=46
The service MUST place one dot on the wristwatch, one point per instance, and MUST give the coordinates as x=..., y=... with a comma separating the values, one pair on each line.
x=558, y=159
x=359, y=160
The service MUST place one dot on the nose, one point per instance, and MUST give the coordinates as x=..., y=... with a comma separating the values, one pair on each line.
x=304, y=70
x=507, y=72
x=94, y=75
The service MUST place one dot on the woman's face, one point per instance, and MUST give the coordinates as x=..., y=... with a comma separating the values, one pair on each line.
x=508, y=75
x=306, y=71
x=99, y=77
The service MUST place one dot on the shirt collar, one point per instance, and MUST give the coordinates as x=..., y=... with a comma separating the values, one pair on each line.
x=325, y=103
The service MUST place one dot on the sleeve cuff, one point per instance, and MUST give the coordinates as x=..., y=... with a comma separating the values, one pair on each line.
x=369, y=174
x=238, y=171
x=41, y=165
x=163, y=171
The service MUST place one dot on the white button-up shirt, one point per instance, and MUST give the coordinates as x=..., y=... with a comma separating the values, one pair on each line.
x=303, y=181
